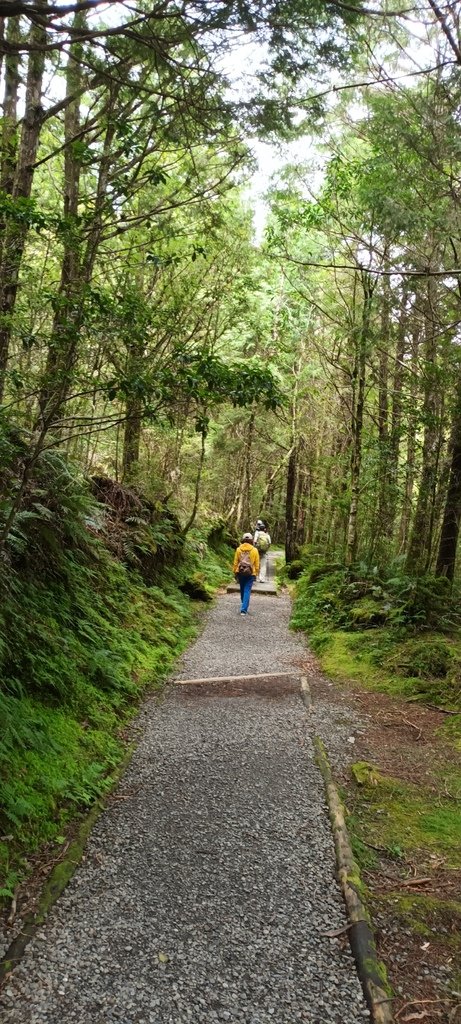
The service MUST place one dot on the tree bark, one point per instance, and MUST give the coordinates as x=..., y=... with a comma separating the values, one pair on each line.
x=68, y=312
x=396, y=413
x=357, y=418
x=17, y=176
x=246, y=497
x=291, y=548
x=10, y=111
x=411, y=446
x=384, y=526
x=419, y=548
x=290, y=517
x=131, y=439
x=193, y=515
x=446, y=558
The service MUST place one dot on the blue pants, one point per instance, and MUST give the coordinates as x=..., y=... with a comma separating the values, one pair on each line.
x=246, y=583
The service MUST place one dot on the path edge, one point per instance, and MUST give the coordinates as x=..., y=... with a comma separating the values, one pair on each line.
x=370, y=969
x=61, y=874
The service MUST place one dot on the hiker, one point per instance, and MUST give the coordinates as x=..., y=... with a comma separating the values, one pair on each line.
x=246, y=569
x=262, y=542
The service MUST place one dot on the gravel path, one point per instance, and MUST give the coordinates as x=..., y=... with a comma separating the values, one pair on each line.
x=208, y=884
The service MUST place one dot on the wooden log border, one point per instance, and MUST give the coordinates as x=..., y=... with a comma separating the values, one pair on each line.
x=370, y=969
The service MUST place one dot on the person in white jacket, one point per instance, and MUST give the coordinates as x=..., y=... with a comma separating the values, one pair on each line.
x=262, y=542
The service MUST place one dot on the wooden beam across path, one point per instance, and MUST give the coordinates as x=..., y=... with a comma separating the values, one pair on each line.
x=269, y=677
x=269, y=684
x=258, y=588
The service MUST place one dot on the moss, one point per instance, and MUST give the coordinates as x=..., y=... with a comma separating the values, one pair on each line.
x=428, y=916
x=294, y=569
x=364, y=658
x=404, y=818
x=376, y=969
x=365, y=774
x=367, y=612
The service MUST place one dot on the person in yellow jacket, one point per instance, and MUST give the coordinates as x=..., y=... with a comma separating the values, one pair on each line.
x=246, y=569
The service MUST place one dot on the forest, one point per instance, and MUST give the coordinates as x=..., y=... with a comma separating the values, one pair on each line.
x=168, y=375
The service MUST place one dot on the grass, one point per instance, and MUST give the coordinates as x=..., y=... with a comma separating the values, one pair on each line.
x=403, y=819
x=429, y=917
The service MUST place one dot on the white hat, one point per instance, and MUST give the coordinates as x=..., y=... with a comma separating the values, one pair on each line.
x=247, y=536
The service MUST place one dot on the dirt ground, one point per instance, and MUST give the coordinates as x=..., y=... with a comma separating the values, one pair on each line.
x=423, y=961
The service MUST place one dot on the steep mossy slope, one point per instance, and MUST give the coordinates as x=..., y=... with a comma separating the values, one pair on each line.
x=94, y=609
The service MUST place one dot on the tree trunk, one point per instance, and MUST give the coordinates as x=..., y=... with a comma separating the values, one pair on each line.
x=446, y=558
x=10, y=110
x=290, y=514
x=131, y=439
x=419, y=547
x=20, y=182
x=411, y=446
x=246, y=497
x=193, y=515
x=396, y=415
x=291, y=548
x=2, y=38
x=384, y=524
x=357, y=418
x=68, y=313
x=303, y=521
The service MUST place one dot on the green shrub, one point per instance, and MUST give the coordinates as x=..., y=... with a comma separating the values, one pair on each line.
x=422, y=657
x=358, y=598
x=294, y=569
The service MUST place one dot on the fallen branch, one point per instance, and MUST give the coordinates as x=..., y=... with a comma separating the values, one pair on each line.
x=435, y=707
x=418, y=1002
x=413, y=726
x=416, y=881
x=12, y=913
x=337, y=931
x=379, y=849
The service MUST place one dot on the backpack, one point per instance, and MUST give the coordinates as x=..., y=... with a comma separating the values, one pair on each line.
x=244, y=564
x=263, y=543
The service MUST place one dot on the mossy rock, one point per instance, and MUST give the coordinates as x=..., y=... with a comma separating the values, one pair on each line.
x=367, y=612
x=294, y=569
x=422, y=657
x=196, y=589
x=365, y=774
x=319, y=571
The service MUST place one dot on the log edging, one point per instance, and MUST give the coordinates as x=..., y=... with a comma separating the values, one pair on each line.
x=61, y=874
x=370, y=969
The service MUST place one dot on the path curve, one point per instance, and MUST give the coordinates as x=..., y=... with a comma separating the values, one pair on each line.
x=208, y=884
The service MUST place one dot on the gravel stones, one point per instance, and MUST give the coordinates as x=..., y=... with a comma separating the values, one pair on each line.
x=232, y=644
x=208, y=884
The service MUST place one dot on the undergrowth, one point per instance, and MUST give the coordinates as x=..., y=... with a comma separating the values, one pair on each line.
x=82, y=635
x=399, y=635
x=401, y=818
x=389, y=631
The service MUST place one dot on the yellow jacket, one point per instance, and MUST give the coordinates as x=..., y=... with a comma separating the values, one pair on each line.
x=254, y=557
